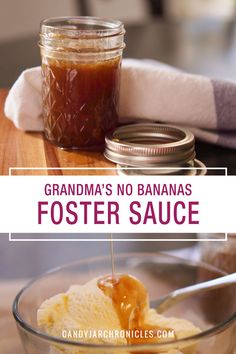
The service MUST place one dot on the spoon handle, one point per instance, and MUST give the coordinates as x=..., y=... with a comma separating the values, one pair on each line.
x=184, y=293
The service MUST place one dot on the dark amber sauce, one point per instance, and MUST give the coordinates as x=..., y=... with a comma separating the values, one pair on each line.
x=130, y=300
x=80, y=101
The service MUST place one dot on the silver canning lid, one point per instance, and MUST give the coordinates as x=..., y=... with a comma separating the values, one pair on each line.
x=150, y=145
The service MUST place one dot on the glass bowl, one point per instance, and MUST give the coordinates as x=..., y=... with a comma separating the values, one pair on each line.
x=160, y=273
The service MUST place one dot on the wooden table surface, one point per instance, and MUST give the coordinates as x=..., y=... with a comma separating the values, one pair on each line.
x=20, y=149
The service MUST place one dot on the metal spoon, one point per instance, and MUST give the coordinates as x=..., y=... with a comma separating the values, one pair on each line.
x=165, y=302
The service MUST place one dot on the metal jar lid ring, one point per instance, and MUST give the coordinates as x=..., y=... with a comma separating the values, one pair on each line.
x=150, y=144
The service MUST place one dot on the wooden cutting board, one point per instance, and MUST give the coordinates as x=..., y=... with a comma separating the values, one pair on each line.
x=21, y=149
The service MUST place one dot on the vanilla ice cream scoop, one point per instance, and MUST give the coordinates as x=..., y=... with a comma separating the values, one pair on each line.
x=82, y=307
x=110, y=310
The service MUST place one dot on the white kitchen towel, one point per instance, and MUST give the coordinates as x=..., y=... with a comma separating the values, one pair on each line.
x=150, y=91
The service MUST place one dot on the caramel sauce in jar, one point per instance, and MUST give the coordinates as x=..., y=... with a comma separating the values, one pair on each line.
x=81, y=61
x=80, y=101
x=130, y=300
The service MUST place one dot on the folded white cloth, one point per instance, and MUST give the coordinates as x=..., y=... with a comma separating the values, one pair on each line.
x=149, y=91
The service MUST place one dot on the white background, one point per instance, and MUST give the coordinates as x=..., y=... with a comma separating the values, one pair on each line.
x=20, y=195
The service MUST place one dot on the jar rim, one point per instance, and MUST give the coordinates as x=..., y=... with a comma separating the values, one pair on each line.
x=150, y=145
x=82, y=25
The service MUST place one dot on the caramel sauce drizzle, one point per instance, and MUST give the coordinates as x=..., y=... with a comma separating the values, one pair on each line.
x=130, y=300
x=112, y=256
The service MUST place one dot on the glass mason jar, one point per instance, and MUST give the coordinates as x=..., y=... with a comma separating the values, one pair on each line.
x=222, y=255
x=81, y=61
